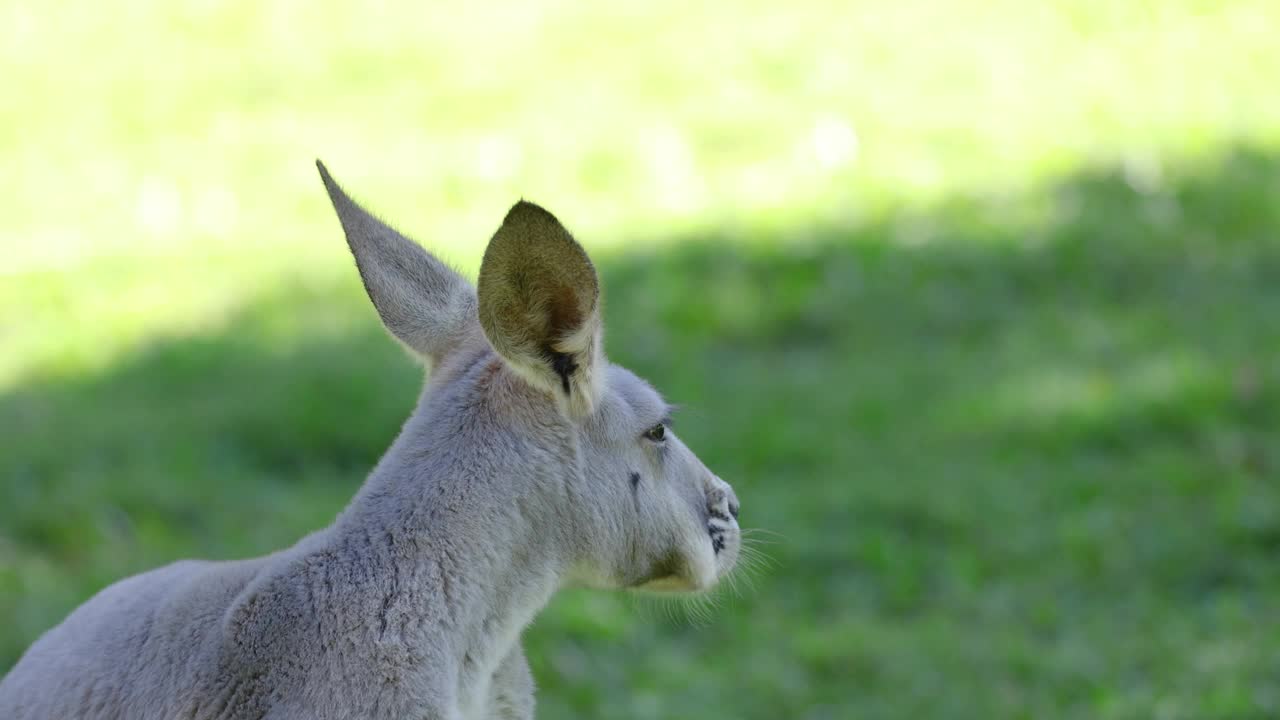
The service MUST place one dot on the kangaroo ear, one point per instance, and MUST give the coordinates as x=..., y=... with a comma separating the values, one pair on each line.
x=540, y=306
x=424, y=304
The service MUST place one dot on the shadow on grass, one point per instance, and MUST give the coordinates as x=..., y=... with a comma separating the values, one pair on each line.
x=1021, y=452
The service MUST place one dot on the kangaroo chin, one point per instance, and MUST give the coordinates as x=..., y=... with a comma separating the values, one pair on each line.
x=529, y=463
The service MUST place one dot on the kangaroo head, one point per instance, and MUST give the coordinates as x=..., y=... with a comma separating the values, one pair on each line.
x=579, y=448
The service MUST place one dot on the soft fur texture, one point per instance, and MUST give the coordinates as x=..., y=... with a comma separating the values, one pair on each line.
x=520, y=471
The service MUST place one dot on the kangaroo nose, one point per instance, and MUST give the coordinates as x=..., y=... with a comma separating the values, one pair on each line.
x=723, y=493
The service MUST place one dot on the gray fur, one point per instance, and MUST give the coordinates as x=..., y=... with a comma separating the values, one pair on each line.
x=514, y=476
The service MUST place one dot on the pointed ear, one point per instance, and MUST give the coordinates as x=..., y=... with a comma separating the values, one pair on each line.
x=424, y=304
x=540, y=306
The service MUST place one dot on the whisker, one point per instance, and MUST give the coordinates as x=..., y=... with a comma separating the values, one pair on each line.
x=754, y=555
x=763, y=531
x=644, y=606
x=705, y=606
x=754, y=568
x=671, y=613
x=753, y=545
x=733, y=585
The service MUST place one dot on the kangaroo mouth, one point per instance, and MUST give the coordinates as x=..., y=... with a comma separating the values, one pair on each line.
x=667, y=573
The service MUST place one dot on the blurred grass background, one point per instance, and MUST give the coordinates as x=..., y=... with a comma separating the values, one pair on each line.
x=976, y=303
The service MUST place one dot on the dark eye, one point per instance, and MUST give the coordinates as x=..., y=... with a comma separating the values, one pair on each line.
x=657, y=433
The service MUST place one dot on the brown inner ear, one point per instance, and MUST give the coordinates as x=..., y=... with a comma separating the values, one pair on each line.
x=566, y=316
x=537, y=289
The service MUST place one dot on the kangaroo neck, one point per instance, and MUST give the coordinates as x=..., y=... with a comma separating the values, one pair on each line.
x=454, y=556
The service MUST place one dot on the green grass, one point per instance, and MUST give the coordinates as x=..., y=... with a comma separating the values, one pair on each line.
x=976, y=304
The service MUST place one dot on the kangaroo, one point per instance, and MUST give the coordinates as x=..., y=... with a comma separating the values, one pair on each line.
x=530, y=463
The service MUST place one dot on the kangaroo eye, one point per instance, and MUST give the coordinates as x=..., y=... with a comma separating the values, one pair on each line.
x=657, y=433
